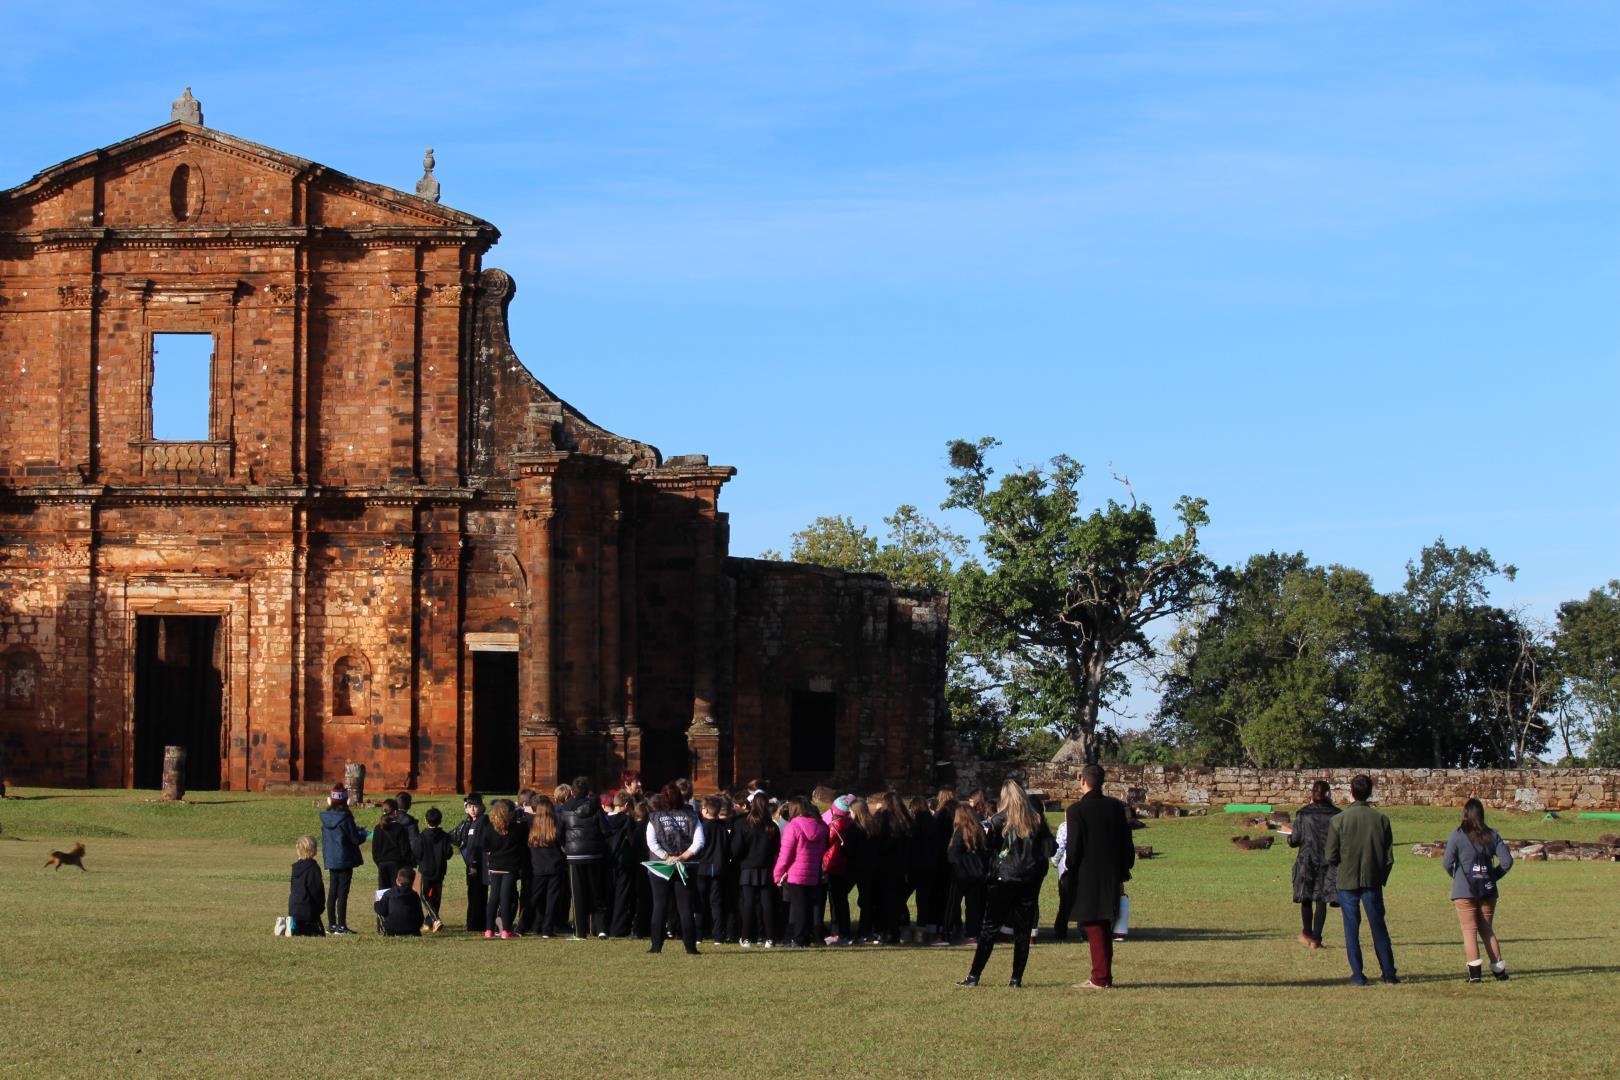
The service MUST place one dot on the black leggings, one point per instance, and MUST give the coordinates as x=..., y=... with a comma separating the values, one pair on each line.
x=590, y=887
x=1006, y=904
x=758, y=903
x=661, y=890
x=1311, y=922
x=502, y=901
x=337, y=897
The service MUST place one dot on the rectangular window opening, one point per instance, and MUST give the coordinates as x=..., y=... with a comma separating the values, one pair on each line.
x=812, y=734
x=182, y=381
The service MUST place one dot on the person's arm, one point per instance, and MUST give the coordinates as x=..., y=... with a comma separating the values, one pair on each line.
x=1076, y=840
x=654, y=848
x=1504, y=858
x=1389, y=845
x=1128, y=855
x=1295, y=834
x=1449, y=862
x=1331, y=850
x=784, y=855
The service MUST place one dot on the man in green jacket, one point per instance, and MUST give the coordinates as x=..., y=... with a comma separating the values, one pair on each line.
x=1361, y=844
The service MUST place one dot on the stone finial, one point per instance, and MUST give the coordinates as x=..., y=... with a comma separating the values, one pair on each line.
x=427, y=187
x=186, y=109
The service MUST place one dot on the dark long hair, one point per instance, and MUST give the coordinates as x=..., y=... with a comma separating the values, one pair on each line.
x=543, y=826
x=670, y=798
x=1321, y=792
x=759, y=816
x=1473, y=823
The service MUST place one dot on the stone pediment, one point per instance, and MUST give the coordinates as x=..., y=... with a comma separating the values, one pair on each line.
x=181, y=176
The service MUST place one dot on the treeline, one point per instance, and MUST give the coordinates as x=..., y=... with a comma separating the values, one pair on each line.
x=1278, y=662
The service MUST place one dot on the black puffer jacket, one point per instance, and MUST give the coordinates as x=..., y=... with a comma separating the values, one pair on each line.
x=391, y=845
x=1314, y=877
x=584, y=828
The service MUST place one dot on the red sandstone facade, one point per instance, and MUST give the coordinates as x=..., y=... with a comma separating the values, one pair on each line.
x=395, y=546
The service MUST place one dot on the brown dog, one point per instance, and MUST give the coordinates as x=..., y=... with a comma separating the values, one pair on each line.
x=60, y=859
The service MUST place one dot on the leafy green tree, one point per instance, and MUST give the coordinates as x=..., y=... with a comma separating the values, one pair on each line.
x=1588, y=643
x=1280, y=669
x=1066, y=596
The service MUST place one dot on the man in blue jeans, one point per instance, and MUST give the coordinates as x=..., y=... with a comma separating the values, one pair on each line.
x=1362, y=846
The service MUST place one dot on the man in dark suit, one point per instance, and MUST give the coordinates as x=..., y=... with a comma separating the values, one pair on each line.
x=1100, y=859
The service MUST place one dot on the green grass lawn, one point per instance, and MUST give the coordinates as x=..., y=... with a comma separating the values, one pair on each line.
x=160, y=961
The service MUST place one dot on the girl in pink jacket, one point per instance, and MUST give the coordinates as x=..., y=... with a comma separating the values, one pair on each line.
x=798, y=868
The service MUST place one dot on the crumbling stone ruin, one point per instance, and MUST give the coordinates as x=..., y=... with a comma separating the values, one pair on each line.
x=388, y=543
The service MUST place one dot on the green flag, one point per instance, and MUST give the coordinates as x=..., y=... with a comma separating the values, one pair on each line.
x=666, y=870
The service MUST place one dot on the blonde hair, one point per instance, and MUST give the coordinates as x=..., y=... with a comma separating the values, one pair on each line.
x=561, y=794
x=306, y=847
x=1021, y=817
x=500, y=816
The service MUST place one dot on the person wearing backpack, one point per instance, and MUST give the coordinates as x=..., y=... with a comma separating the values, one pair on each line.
x=1469, y=855
x=1100, y=856
x=1022, y=844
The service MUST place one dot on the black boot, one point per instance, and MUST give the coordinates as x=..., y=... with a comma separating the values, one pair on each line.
x=1474, y=973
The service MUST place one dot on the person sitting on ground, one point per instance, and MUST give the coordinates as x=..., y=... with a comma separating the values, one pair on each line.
x=399, y=909
x=307, y=897
x=1315, y=879
x=1469, y=853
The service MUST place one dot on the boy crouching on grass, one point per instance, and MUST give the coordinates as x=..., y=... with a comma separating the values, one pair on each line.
x=308, y=896
x=399, y=910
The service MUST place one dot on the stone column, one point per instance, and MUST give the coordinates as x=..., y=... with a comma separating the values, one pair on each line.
x=538, y=734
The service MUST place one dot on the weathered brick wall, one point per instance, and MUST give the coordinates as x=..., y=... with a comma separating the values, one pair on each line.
x=382, y=482
x=877, y=648
x=1519, y=789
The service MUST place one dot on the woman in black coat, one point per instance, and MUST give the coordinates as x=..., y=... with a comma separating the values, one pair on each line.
x=1315, y=879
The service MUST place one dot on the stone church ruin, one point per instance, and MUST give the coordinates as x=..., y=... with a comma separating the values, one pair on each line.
x=386, y=542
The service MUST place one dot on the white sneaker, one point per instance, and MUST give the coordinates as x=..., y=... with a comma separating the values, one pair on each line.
x=281, y=926
x=745, y=943
x=769, y=944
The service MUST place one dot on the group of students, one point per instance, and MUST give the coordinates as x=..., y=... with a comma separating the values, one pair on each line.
x=839, y=869
x=1344, y=861
x=743, y=867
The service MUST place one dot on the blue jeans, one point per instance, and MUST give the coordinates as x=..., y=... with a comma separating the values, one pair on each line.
x=1351, y=902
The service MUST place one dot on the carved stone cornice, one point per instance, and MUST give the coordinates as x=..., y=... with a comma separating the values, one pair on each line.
x=77, y=297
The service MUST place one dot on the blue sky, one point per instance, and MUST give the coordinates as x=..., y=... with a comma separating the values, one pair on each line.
x=1348, y=270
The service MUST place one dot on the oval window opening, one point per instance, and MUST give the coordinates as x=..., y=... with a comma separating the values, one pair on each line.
x=180, y=192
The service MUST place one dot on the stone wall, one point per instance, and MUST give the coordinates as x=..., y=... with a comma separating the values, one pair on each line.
x=1514, y=789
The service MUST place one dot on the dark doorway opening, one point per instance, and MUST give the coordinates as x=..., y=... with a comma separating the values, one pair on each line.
x=495, y=721
x=665, y=756
x=179, y=695
x=812, y=732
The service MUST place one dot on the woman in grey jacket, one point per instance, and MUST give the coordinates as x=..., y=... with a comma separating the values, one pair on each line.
x=1469, y=856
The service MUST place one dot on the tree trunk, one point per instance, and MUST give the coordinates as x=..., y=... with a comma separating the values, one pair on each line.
x=1081, y=747
x=174, y=773
x=354, y=778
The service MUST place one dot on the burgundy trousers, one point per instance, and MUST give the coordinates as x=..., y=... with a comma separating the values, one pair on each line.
x=1100, y=936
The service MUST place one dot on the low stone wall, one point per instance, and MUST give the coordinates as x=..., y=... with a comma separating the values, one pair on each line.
x=1510, y=789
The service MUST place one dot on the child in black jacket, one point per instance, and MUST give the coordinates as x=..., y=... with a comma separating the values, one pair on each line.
x=307, y=898
x=547, y=865
x=433, y=849
x=390, y=845
x=709, y=868
x=399, y=910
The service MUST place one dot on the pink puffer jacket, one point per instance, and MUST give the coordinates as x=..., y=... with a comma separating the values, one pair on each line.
x=804, y=839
